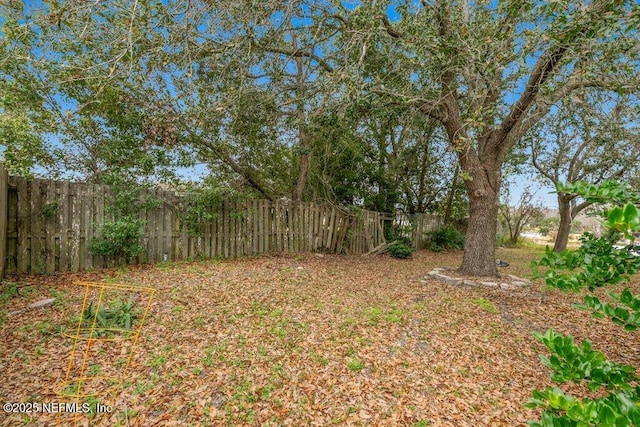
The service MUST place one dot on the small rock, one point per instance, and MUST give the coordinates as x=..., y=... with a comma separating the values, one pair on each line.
x=300, y=268
x=320, y=255
x=508, y=286
x=452, y=281
x=519, y=279
x=517, y=283
x=469, y=283
x=433, y=273
x=43, y=303
x=490, y=284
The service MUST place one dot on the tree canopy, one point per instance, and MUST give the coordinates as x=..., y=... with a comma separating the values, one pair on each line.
x=245, y=86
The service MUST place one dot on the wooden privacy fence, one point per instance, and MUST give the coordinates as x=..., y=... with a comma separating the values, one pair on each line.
x=49, y=226
x=4, y=205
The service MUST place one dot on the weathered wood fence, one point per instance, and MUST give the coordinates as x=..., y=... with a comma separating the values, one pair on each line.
x=48, y=226
x=4, y=205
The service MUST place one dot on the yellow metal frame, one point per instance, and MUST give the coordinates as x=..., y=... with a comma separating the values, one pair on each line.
x=94, y=333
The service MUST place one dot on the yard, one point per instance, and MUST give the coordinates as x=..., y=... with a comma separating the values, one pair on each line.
x=307, y=340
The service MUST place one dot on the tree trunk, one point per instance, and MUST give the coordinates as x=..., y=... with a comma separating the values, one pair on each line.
x=565, y=224
x=480, y=241
x=450, y=196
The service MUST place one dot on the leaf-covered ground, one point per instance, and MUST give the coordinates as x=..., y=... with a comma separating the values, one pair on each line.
x=305, y=340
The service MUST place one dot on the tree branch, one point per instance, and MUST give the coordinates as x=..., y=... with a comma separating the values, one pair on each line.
x=298, y=53
x=391, y=30
x=243, y=172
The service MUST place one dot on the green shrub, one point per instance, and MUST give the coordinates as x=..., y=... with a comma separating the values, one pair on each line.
x=597, y=263
x=446, y=238
x=119, y=238
x=400, y=250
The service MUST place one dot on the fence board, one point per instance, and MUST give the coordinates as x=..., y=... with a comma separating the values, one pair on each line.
x=254, y=212
x=98, y=260
x=63, y=218
x=87, y=212
x=36, y=261
x=51, y=225
x=263, y=213
x=74, y=247
x=276, y=226
x=24, y=212
x=4, y=218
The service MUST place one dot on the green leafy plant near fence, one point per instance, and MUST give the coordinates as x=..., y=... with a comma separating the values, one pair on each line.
x=595, y=264
x=400, y=250
x=120, y=237
x=446, y=238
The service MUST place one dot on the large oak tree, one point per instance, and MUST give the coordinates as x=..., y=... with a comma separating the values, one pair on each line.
x=488, y=73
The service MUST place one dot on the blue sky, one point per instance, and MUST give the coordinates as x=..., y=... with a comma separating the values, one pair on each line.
x=543, y=192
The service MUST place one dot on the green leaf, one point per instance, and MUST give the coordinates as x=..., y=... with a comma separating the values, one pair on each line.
x=631, y=215
x=615, y=216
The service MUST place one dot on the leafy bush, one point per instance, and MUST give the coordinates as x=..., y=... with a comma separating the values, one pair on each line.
x=119, y=238
x=601, y=264
x=598, y=263
x=446, y=238
x=400, y=250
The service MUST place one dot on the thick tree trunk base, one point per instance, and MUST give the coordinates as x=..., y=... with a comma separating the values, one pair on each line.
x=480, y=241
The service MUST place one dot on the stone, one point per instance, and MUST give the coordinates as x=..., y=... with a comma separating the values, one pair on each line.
x=43, y=303
x=508, y=286
x=519, y=279
x=489, y=284
x=433, y=273
x=469, y=283
x=517, y=283
x=451, y=281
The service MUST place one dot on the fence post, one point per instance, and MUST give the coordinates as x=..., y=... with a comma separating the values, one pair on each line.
x=4, y=205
